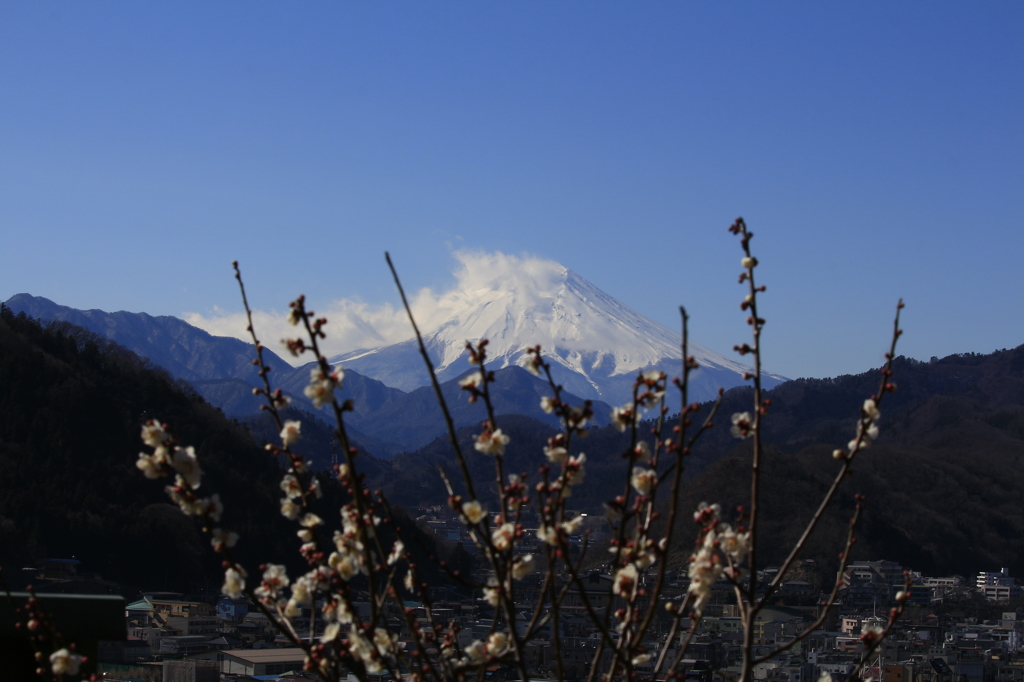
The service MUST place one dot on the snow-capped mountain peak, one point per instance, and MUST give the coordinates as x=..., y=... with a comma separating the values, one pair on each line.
x=595, y=343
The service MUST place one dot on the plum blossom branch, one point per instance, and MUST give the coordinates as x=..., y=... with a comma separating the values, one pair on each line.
x=831, y=600
x=872, y=636
x=652, y=487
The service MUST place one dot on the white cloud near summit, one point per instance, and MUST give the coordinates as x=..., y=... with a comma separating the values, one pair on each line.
x=353, y=324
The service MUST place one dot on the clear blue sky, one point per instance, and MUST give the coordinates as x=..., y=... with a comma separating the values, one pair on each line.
x=876, y=149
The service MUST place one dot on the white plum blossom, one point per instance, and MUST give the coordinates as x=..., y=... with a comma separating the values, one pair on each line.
x=491, y=442
x=293, y=346
x=643, y=480
x=185, y=463
x=382, y=640
x=387, y=643
x=865, y=436
x=473, y=512
x=742, y=425
x=577, y=418
x=280, y=400
x=289, y=509
x=291, y=486
x=185, y=500
x=748, y=262
x=331, y=632
x=547, y=403
x=871, y=633
x=154, y=435
x=362, y=649
x=337, y=610
x=705, y=569
x=275, y=579
x=503, y=537
x=651, y=399
x=547, y=535
x=291, y=432
x=492, y=592
x=555, y=453
x=471, y=381
x=642, y=451
x=515, y=481
x=318, y=578
x=347, y=565
x=645, y=559
x=652, y=376
x=213, y=506
x=155, y=465
x=321, y=386
x=572, y=526
x=867, y=427
x=301, y=593
x=625, y=417
x=396, y=552
x=706, y=565
x=733, y=543
x=625, y=581
x=497, y=643
x=351, y=540
x=641, y=659
x=476, y=652
x=522, y=567
x=706, y=511
x=63, y=662
x=533, y=362
x=574, y=471
x=224, y=538
x=234, y=582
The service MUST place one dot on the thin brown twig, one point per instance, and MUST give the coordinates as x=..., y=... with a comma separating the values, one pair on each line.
x=449, y=422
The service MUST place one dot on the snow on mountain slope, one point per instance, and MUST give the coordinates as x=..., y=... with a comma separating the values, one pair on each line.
x=595, y=343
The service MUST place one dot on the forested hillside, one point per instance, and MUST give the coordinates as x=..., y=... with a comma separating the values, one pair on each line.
x=71, y=408
x=944, y=480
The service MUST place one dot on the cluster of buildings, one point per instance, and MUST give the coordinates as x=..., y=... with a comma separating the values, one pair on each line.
x=232, y=640
x=176, y=637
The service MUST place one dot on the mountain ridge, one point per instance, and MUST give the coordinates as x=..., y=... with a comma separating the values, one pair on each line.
x=943, y=479
x=384, y=419
x=595, y=343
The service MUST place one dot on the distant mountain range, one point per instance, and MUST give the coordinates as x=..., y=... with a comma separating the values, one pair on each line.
x=943, y=481
x=595, y=343
x=385, y=421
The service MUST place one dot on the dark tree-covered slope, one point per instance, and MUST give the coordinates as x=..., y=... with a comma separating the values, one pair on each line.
x=71, y=408
x=944, y=481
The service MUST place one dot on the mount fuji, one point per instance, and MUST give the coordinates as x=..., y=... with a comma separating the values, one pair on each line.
x=595, y=344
